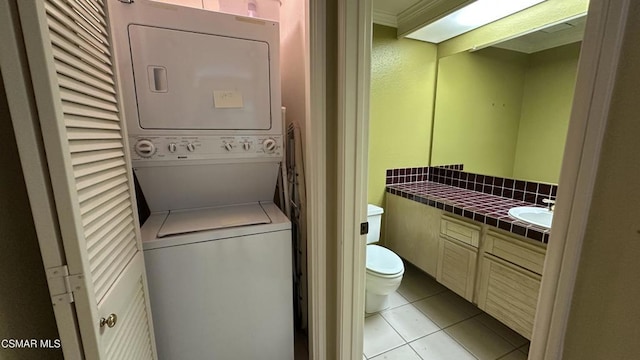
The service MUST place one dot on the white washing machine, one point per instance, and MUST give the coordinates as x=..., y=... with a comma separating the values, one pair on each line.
x=224, y=293
x=201, y=95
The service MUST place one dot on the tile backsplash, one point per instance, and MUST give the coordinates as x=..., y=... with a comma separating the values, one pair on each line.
x=452, y=167
x=406, y=175
x=529, y=191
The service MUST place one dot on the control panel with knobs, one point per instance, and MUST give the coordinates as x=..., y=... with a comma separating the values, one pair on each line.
x=145, y=148
x=270, y=145
x=157, y=148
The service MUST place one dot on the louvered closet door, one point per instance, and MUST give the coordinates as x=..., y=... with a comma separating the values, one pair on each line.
x=70, y=59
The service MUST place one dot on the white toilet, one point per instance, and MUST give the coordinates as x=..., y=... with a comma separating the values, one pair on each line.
x=384, y=267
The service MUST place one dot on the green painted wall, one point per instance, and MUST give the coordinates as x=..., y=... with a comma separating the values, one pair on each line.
x=478, y=106
x=546, y=108
x=402, y=89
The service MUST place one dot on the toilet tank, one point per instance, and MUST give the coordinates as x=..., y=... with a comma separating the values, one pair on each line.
x=374, y=217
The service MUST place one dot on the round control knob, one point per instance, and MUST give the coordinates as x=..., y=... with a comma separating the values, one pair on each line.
x=191, y=147
x=145, y=148
x=246, y=146
x=173, y=147
x=269, y=145
x=228, y=146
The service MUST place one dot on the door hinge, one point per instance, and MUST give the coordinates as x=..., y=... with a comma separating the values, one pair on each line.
x=62, y=284
x=364, y=228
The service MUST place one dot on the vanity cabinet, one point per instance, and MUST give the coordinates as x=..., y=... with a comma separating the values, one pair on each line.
x=412, y=231
x=497, y=270
x=457, y=256
x=509, y=282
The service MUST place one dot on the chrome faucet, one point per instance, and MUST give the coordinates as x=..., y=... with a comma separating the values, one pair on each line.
x=550, y=204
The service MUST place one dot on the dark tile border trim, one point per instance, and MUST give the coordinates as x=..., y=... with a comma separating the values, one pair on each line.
x=529, y=191
x=487, y=216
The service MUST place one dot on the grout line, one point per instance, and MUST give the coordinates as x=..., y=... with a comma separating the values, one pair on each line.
x=461, y=344
x=499, y=335
x=382, y=353
x=397, y=306
x=399, y=346
x=443, y=329
x=394, y=329
x=385, y=320
x=416, y=351
x=433, y=321
x=463, y=320
x=423, y=298
x=447, y=334
x=446, y=327
x=431, y=295
x=424, y=336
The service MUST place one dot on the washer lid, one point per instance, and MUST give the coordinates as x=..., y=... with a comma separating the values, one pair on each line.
x=383, y=261
x=186, y=221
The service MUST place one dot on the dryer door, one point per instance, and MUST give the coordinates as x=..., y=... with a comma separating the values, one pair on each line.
x=195, y=81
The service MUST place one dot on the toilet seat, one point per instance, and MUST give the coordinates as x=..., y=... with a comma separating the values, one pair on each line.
x=384, y=262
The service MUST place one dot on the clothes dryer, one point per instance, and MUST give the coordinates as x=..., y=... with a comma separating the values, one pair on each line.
x=201, y=94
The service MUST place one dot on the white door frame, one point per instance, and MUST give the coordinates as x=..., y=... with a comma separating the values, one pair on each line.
x=315, y=159
x=354, y=59
x=596, y=77
x=353, y=73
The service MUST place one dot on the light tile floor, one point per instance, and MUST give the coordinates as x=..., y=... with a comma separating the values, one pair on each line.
x=426, y=321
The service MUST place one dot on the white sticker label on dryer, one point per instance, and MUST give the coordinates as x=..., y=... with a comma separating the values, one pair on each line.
x=227, y=99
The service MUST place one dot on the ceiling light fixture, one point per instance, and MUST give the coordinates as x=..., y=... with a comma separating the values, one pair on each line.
x=470, y=17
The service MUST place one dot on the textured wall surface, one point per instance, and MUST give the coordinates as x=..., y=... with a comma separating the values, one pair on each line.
x=546, y=108
x=504, y=113
x=478, y=105
x=402, y=87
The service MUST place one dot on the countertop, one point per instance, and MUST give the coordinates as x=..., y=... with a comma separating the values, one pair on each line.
x=485, y=208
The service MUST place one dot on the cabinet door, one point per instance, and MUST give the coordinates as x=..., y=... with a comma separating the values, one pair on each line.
x=411, y=231
x=457, y=267
x=69, y=49
x=509, y=293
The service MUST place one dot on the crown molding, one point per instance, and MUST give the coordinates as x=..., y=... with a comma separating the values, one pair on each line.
x=385, y=18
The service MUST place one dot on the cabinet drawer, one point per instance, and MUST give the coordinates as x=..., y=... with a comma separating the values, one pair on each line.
x=528, y=256
x=457, y=267
x=509, y=293
x=459, y=230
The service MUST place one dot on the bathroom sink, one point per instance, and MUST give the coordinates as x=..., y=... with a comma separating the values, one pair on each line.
x=533, y=215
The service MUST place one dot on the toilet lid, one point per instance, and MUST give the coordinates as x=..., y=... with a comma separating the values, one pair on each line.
x=383, y=261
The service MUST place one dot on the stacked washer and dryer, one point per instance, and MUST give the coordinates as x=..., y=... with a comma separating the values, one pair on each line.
x=201, y=95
